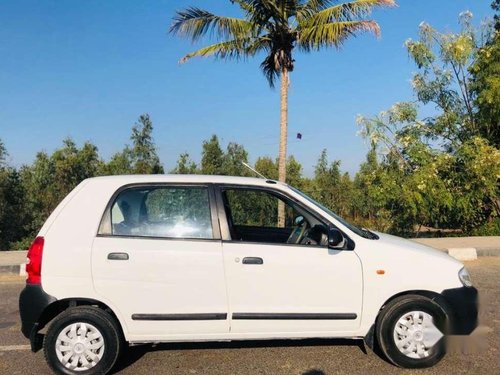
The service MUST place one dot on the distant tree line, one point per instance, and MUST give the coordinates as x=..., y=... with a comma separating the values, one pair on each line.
x=441, y=171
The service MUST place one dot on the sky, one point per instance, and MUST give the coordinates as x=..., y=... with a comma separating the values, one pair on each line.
x=87, y=69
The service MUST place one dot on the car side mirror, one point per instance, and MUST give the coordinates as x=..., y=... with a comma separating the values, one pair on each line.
x=335, y=239
x=298, y=220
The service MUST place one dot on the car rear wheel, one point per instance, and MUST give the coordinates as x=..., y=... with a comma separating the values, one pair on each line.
x=82, y=340
x=410, y=331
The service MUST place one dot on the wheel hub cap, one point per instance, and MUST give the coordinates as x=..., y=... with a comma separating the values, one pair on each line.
x=418, y=336
x=415, y=334
x=79, y=346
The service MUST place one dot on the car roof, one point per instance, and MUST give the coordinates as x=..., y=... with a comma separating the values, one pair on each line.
x=184, y=178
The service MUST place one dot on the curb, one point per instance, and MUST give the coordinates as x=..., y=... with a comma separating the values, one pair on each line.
x=16, y=269
x=471, y=253
x=488, y=252
x=465, y=253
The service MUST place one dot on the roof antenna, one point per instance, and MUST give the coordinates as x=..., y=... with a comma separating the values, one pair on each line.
x=254, y=171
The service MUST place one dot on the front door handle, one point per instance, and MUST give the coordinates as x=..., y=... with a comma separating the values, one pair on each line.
x=253, y=260
x=118, y=256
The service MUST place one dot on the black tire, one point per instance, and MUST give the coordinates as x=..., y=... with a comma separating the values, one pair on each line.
x=98, y=318
x=386, y=323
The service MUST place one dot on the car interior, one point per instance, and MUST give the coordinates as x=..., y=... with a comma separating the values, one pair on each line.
x=252, y=216
x=162, y=213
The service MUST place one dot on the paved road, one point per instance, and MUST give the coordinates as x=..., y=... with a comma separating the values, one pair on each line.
x=315, y=357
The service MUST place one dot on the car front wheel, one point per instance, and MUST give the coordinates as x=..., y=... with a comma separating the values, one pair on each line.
x=410, y=331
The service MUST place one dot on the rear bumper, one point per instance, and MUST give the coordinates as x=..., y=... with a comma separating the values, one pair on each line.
x=32, y=303
x=464, y=306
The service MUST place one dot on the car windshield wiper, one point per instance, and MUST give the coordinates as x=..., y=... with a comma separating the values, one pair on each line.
x=369, y=234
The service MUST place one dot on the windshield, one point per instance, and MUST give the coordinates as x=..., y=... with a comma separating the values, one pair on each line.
x=359, y=231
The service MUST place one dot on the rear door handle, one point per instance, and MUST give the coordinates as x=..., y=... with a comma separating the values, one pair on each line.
x=118, y=256
x=253, y=260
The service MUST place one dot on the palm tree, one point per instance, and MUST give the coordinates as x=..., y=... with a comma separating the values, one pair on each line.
x=276, y=28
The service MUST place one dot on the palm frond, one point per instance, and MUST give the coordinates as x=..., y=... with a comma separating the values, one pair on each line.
x=333, y=34
x=195, y=23
x=311, y=7
x=277, y=27
x=231, y=49
x=262, y=43
x=246, y=5
x=276, y=62
x=268, y=67
x=317, y=5
x=266, y=13
x=348, y=11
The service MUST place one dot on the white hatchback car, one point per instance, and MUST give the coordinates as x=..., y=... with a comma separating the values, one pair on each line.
x=166, y=258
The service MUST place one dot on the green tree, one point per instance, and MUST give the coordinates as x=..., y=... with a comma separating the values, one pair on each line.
x=294, y=173
x=326, y=177
x=276, y=28
x=144, y=157
x=141, y=157
x=212, y=157
x=331, y=187
x=3, y=154
x=372, y=191
x=50, y=178
x=235, y=156
x=485, y=85
x=267, y=167
x=185, y=165
x=13, y=213
x=120, y=163
x=444, y=61
x=439, y=171
x=422, y=183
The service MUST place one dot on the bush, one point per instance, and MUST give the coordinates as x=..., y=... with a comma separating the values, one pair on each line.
x=491, y=228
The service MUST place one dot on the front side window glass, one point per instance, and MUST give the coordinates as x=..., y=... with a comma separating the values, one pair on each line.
x=252, y=216
x=363, y=232
x=173, y=212
x=258, y=208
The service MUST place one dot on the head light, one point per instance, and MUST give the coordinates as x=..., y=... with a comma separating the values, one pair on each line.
x=464, y=277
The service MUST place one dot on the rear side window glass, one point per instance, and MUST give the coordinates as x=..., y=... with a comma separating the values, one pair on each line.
x=170, y=211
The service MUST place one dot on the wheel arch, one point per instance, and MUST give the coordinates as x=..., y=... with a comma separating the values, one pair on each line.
x=58, y=306
x=433, y=296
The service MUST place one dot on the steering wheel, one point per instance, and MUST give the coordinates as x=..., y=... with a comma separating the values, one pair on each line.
x=297, y=232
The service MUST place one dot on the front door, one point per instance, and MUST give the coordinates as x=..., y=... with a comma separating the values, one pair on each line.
x=283, y=280
x=161, y=267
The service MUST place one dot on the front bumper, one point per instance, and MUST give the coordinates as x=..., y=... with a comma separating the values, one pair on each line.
x=464, y=306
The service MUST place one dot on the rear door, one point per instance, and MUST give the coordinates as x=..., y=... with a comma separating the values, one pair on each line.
x=281, y=285
x=158, y=262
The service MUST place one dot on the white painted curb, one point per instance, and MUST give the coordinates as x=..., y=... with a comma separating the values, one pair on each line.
x=22, y=269
x=464, y=253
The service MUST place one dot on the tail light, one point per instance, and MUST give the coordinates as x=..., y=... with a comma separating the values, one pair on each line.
x=34, y=265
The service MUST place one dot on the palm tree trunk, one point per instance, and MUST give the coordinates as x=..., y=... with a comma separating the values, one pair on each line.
x=283, y=141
